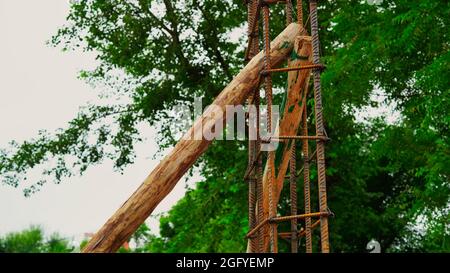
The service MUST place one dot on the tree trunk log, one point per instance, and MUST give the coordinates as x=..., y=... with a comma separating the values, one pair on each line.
x=165, y=176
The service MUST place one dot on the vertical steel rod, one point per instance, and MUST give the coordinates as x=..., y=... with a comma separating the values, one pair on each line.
x=306, y=181
x=271, y=154
x=259, y=175
x=293, y=192
x=300, y=12
x=252, y=145
x=319, y=129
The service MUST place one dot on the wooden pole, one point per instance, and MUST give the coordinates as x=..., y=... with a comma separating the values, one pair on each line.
x=165, y=176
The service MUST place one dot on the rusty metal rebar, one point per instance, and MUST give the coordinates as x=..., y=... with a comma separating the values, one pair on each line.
x=259, y=175
x=299, y=216
x=289, y=12
x=301, y=232
x=293, y=195
x=253, y=149
x=319, y=128
x=286, y=138
x=300, y=12
x=271, y=154
x=253, y=41
x=258, y=221
x=287, y=69
x=257, y=228
x=306, y=181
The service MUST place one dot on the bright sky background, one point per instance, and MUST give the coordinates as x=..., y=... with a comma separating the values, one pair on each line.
x=39, y=89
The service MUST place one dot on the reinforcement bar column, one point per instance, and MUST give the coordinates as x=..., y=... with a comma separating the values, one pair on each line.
x=320, y=131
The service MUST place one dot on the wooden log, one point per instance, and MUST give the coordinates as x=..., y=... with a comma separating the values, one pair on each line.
x=293, y=112
x=165, y=176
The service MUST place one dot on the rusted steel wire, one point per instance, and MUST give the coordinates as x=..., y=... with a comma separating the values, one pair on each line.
x=306, y=182
x=300, y=12
x=286, y=138
x=323, y=138
x=257, y=220
x=293, y=163
x=271, y=155
x=259, y=175
x=289, y=12
x=301, y=232
x=250, y=175
x=301, y=170
x=299, y=216
x=251, y=212
x=319, y=128
x=309, y=160
x=249, y=170
x=287, y=69
x=287, y=218
x=293, y=195
x=257, y=228
x=252, y=194
x=253, y=28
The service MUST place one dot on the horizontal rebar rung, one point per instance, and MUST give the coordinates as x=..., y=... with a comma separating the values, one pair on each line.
x=287, y=69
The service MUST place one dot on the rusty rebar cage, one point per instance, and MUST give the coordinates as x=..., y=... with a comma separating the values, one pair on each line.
x=261, y=226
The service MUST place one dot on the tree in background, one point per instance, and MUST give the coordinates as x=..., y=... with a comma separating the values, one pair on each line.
x=387, y=180
x=32, y=240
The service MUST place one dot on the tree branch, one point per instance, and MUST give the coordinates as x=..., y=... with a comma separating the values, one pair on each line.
x=214, y=47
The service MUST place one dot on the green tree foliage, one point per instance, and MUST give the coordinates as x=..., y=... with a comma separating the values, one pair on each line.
x=32, y=240
x=386, y=180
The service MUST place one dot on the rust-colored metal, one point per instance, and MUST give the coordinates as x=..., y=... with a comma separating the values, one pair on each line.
x=284, y=219
x=323, y=138
x=253, y=164
x=252, y=144
x=293, y=195
x=287, y=69
x=251, y=207
x=259, y=226
x=313, y=226
x=301, y=232
x=306, y=182
x=259, y=175
x=320, y=131
x=292, y=163
x=286, y=138
x=300, y=12
x=299, y=216
x=253, y=28
x=289, y=11
x=263, y=226
x=271, y=154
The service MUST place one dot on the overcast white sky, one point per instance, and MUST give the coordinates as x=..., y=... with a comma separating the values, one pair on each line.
x=39, y=89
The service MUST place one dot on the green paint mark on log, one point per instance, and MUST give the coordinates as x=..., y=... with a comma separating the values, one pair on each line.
x=291, y=108
x=295, y=56
x=285, y=44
